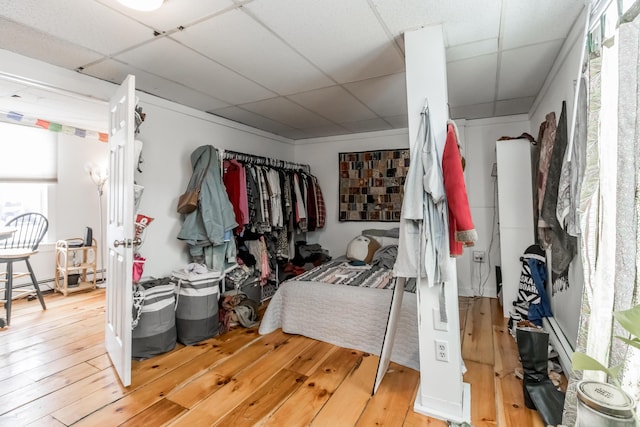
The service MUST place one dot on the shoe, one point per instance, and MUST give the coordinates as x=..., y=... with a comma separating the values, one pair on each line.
x=538, y=390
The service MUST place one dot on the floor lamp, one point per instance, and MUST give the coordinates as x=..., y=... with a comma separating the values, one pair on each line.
x=99, y=177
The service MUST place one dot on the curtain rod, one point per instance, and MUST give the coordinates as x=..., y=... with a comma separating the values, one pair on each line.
x=266, y=161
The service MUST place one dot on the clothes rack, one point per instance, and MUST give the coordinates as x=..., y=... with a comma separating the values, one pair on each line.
x=264, y=161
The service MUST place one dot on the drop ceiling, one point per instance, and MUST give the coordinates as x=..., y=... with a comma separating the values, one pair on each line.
x=296, y=68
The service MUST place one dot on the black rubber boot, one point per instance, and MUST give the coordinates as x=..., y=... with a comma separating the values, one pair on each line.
x=539, y=392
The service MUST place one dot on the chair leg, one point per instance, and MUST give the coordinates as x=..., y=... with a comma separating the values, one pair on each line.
x=35, y=284
x=8, y=291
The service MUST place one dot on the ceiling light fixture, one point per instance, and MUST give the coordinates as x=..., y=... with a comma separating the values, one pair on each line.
x=143, y=5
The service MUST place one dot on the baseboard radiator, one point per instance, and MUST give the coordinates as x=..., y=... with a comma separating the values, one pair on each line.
x=560, y=343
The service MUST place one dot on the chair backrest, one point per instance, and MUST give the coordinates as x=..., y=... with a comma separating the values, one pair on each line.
x=30, y=230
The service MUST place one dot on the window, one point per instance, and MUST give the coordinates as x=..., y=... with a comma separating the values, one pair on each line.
x=28, y=166
x=19, y=198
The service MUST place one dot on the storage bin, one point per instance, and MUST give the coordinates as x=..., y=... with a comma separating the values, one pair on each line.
x=196, y=309
x=154, y=330
x=251, y=287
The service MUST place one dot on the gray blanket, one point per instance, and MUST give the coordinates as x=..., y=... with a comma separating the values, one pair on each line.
x=346, y=316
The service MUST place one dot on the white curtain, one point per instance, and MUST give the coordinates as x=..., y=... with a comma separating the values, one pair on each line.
x=610, y=201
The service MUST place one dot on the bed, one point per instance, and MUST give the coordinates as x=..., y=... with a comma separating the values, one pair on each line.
x=348, y=306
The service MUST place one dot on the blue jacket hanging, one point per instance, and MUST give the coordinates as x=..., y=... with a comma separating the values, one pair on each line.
x=532, y=302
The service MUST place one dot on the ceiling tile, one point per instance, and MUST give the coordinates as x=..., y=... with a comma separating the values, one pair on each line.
x=463, y=79
x=526, y=24
x=284, y=111
x=32, y=43
x=293, y=134
x=477, y=111
x=250, y=118
x=173, y=13
x=386, y=96
x=201, y=74
x=329, y=130
x=370, y=125
x=94, y=27
x=334, y=103
x=254, y=52
x=523, y=70
x=471, y=50
x=464, y=20
x=343, y=38
x=116, y=72
x=398, y=122
x=514, y=106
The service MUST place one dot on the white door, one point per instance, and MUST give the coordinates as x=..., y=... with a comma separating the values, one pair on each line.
x=120, y=229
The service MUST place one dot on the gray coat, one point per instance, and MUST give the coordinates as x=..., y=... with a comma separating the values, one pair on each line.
x=212, y=222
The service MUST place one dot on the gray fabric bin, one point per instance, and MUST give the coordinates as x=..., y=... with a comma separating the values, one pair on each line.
x=196, y=309
x=155, y=331
x=252, y=288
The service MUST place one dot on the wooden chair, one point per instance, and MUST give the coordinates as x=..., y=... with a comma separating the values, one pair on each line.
x=30, y=229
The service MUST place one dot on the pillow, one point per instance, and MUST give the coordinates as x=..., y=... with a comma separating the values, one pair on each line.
x=384, y=237
x=362, y=248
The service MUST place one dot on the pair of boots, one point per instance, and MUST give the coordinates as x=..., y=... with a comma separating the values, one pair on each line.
x=539, y=392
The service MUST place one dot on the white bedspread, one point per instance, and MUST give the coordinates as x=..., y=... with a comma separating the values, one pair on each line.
x=346, y=316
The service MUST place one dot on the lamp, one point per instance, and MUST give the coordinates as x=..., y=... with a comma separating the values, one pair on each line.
x=99, y=176
x=142, y=5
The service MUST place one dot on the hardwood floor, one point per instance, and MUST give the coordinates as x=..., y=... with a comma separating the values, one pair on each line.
x=54, y=371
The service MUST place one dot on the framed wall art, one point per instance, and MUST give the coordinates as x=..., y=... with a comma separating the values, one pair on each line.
x=372, y=184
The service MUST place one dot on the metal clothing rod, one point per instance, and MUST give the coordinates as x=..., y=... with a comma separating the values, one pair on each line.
x=266, y=161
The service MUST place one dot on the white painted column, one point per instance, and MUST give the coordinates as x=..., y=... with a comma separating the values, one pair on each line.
x=442, y=393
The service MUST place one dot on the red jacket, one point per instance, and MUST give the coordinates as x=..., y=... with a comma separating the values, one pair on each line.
x=461, y=229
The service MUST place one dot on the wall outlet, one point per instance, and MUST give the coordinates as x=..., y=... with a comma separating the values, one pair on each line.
x=442, y=350
x=478, y=256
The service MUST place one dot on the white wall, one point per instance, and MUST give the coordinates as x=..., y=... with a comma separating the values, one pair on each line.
x=322, y=155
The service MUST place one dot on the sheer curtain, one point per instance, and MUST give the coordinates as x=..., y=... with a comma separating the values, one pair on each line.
x=610, y=200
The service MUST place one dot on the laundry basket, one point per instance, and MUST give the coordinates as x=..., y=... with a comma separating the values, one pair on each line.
x=197, y=306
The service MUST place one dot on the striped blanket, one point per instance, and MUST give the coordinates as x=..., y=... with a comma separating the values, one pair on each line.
x=341, y=272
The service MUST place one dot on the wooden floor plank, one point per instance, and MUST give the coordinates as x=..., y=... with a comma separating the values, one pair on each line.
x=346, y=404
x=390, y=404
x=239, y=387
x=260, y=404
x=477, y=345
x=37, y=389
x=158, y=414
x=101, y=384
x=497, y=316
x=50, y=359
x=306, y=402
x=483, y=407
x=217, y=376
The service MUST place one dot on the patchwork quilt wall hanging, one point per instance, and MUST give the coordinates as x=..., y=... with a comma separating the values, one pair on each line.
x=372, y=184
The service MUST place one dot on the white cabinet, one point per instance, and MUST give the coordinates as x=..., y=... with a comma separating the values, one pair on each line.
x=515, y=212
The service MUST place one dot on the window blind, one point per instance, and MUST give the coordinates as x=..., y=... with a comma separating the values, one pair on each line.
x=27, y=154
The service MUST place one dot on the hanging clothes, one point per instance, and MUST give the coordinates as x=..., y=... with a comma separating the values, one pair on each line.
x=563, y=246
x=461, y=229
x=234, y=178
x=573, y=168
x=211, y=224
x=423, y=248
x=547, y=138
